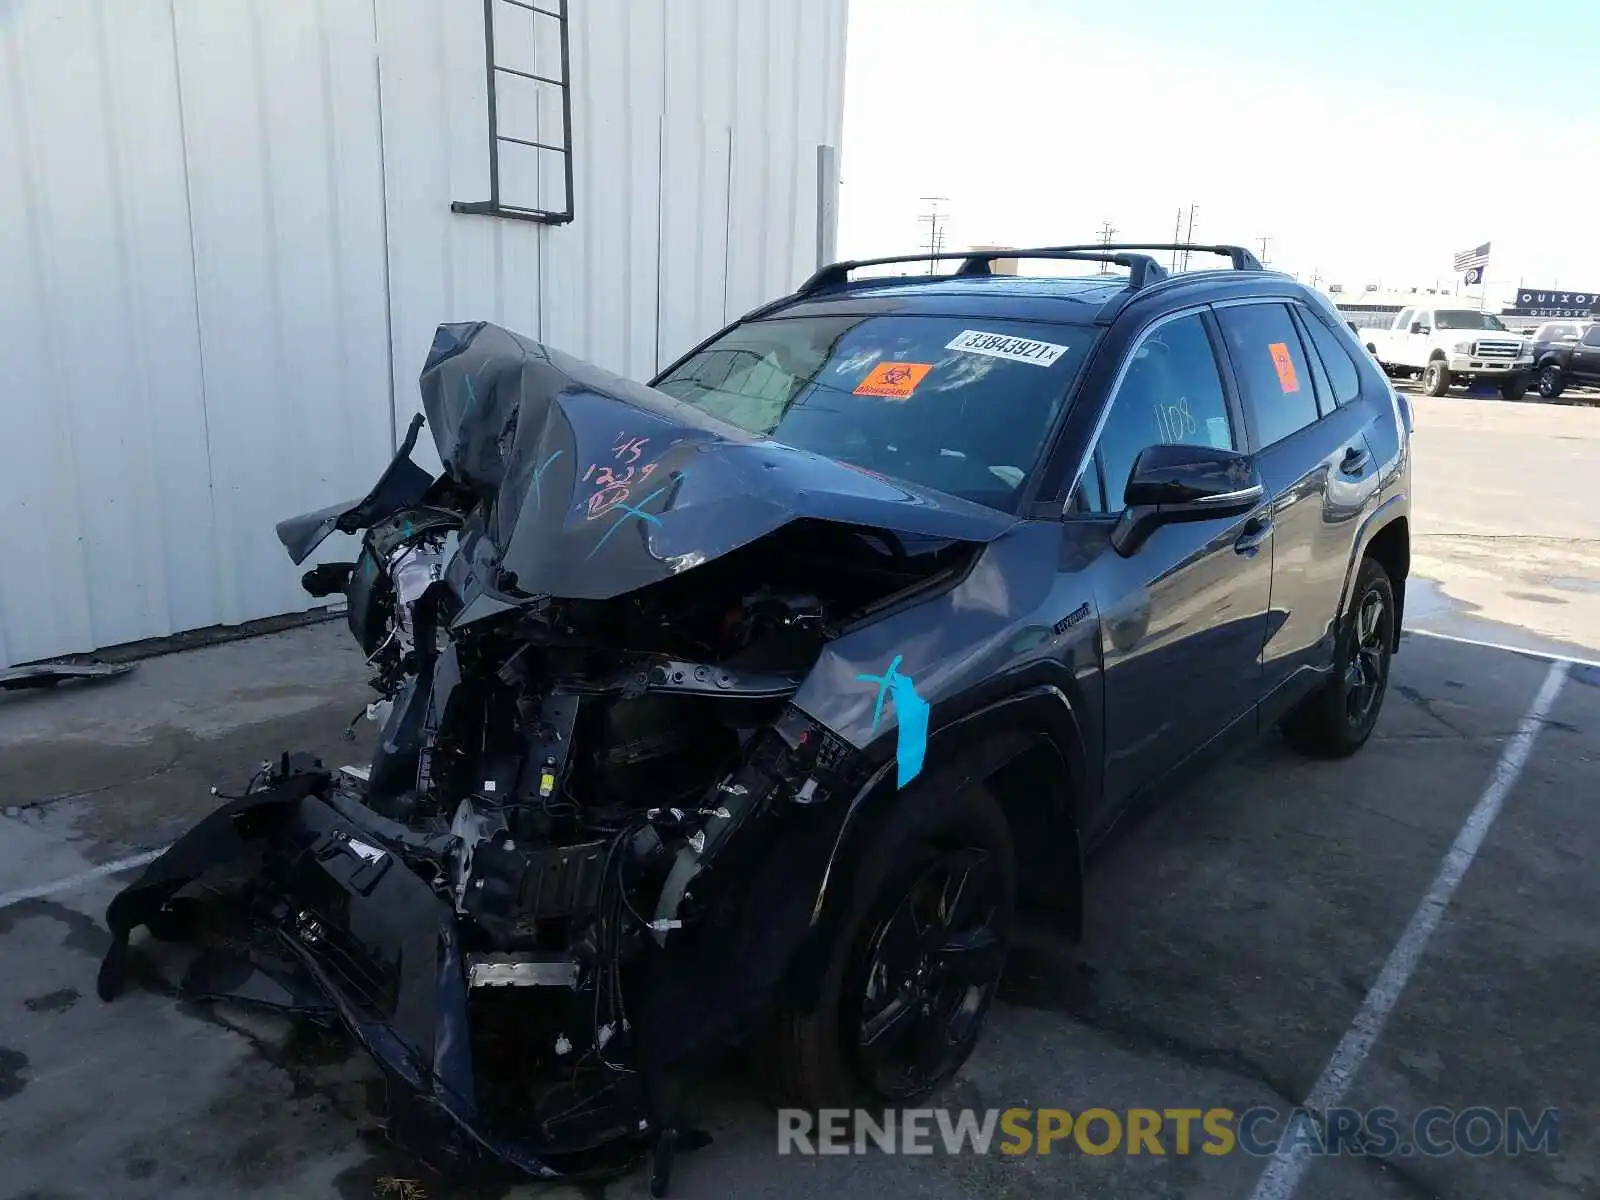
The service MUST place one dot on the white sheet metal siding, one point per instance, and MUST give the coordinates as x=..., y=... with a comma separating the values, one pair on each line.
x=226, y=239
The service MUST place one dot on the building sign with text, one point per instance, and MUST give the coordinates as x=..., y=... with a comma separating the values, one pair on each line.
x=1554, y=302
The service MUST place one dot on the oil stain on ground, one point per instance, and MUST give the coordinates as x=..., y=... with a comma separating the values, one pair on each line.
x=12, y=1065
x=83, y=933
x=57, y=1001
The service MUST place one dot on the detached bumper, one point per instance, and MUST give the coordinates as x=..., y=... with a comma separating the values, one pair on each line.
x=1462, y=364
x=323, y=919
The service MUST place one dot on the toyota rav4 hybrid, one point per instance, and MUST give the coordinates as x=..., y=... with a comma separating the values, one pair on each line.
x=745, y=708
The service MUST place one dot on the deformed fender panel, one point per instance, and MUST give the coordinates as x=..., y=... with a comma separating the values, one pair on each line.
x=970, y=645
x=402, y=483
x=988, y=664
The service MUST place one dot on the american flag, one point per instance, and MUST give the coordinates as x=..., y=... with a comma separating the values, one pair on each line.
x=1469, y=259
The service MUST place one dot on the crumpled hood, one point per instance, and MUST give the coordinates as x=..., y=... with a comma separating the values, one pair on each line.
x=600, y=485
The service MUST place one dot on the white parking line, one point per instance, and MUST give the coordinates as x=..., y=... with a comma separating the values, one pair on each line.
x=1541, y=654
x=7, y=899
x=1282, y=1176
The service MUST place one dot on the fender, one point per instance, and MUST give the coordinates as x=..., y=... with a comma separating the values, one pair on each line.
x=1391, y=510
x=402, y=483
x=985, y=740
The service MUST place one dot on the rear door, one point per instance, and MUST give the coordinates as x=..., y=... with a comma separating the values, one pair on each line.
x=1310, y=424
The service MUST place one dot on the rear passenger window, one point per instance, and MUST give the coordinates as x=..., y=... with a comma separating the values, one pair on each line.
x=1272, y=369
x=1342, y=374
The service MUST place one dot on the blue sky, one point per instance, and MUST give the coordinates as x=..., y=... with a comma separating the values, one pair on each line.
x=1367, y=141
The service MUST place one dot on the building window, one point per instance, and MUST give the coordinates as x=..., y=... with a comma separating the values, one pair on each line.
x=530, y=112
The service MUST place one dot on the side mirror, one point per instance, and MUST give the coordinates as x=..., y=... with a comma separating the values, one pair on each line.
x=1183, y=483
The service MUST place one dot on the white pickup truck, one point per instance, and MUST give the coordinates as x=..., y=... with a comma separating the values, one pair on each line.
x=1449, y=346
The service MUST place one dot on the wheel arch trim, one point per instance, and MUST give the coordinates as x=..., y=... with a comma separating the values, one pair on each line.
x=1386, y=514
x=1042, y=698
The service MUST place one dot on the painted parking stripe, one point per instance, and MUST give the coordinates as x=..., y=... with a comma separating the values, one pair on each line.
x=1282, y=1176
x=7, y=899
x=1542, y=655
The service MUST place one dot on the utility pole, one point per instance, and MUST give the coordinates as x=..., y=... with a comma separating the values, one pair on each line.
x=1108, y=232
x=1177, y=230
x=935, y=225
x=1188, y=235
x=1264, y=259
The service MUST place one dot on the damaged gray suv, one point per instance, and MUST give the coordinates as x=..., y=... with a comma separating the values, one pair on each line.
x=743, y=709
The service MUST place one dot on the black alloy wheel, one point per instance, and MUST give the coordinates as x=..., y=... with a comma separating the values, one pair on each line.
x=1367, y=670
x=930, y=970
x=1337, y=719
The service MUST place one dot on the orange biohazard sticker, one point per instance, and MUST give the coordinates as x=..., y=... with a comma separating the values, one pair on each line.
x=895, y=380
x=1287, y=379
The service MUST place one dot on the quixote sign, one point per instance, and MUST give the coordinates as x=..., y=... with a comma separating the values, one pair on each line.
x=1552, y=302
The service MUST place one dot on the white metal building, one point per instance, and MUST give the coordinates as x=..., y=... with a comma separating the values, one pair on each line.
x=226, y=237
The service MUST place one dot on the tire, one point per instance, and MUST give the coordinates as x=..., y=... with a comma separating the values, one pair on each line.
x=940, y=827
x=1435, y=379
x=1337, y=719
x=1549, y=382
x=1514, y=389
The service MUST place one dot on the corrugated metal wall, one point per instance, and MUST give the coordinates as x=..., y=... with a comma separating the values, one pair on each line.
x=226, y=238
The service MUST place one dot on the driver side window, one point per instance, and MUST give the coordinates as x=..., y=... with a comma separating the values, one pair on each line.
x=1171, y=393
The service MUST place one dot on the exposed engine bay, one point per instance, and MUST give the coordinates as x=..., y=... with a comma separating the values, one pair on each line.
x=589, y=844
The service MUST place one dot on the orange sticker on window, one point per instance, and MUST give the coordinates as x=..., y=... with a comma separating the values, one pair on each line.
x=895, y=380
x=1287, y=379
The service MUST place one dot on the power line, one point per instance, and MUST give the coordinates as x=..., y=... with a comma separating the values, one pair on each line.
x=933, y=217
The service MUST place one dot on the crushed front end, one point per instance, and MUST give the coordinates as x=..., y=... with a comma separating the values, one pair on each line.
x=551, y=921
x=586, y=853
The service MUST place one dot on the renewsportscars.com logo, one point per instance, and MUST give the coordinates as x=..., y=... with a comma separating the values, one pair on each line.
x=1260, y=1132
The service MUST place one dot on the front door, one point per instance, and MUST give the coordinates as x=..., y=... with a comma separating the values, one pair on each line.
x=1183, y=618
x=1585, y=361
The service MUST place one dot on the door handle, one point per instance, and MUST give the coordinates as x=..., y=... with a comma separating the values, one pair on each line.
x=1355, y=460
x=1256, y=531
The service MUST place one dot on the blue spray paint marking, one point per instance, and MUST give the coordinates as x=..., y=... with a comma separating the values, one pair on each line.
x=911, y=716
x=630, y=512
x=537, y=475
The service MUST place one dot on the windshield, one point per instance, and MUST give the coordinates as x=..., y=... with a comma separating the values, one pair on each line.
x=1460, y=318
x=1556, y=333
x=959, y=404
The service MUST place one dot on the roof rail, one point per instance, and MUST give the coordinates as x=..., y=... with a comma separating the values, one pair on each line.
x=1242, y=259
x=1142, y=269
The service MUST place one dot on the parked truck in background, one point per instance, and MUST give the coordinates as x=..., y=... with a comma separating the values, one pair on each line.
x=1450, y=347
x=1561, y=362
